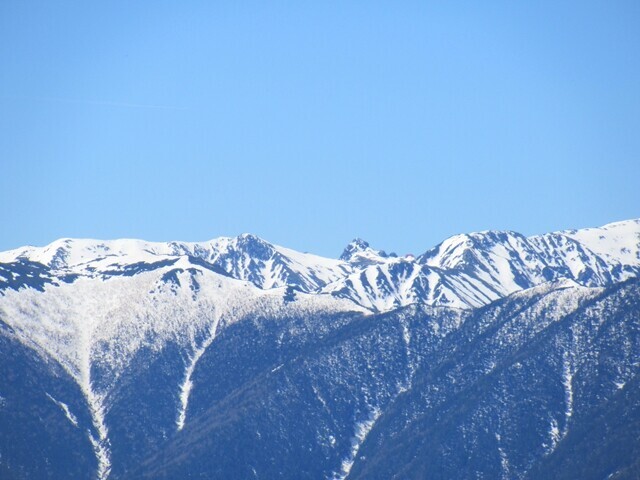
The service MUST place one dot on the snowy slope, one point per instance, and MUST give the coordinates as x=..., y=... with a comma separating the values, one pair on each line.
x=504, y=259
x=617, y=242
x=400, y=282
x=96, y=324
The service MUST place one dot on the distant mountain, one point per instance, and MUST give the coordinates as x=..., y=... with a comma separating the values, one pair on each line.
x=464, y=271
x=490, y=355
x=468, y=271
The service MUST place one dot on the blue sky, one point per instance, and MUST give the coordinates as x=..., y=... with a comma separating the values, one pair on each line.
x=310, y=123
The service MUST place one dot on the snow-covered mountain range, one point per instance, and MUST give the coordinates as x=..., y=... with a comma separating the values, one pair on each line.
x=464, y=271
x=103, y=312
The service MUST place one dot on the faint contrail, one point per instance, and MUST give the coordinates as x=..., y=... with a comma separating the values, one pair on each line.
x=94, y=102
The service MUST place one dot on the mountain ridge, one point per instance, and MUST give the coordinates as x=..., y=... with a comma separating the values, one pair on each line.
x=464, y=271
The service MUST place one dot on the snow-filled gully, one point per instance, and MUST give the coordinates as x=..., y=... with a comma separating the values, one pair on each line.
x=187, y=384
x=361, y=431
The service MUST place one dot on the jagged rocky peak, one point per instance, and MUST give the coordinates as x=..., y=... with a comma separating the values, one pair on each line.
x=254, y=246
x=355, y=246
x=360, y=252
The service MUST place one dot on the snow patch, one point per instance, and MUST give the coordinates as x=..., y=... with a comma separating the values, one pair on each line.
x=101, y=444
x=567, y=382
x=361, y=431
x=504, y=459
x=554, y=437
x=187, y=384
x=65, y=408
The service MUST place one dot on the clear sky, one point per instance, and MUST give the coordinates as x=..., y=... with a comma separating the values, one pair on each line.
x=310, y=123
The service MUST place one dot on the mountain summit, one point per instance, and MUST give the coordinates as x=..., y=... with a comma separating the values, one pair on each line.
x=360, y=253
x=357, y=245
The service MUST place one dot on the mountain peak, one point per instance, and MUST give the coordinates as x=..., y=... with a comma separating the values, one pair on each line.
x=250, y=236
x=253, y=246
x=250, y=239
x=359, y=252
x=356, y=245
